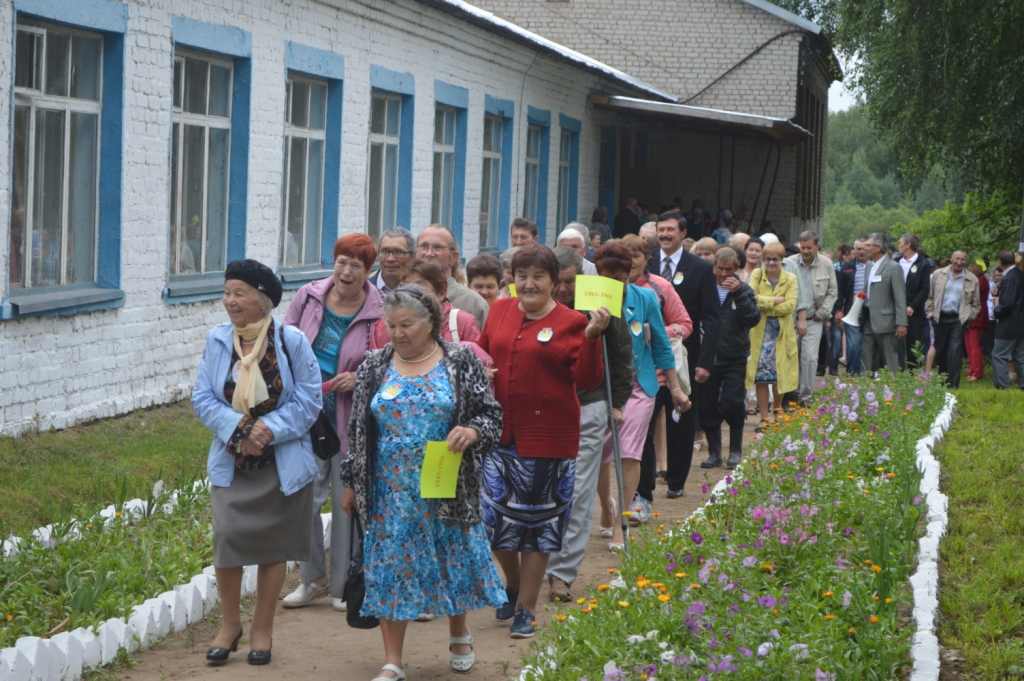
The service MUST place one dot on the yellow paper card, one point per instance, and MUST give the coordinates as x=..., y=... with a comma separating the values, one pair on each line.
x=512, y=290
x=592, y=292
x=440, y=471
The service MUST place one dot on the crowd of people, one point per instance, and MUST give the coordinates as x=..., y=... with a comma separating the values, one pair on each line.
x=538, y=398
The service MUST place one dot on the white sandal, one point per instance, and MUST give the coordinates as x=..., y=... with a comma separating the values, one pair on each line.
x=462, y=663
x=607, y=532
x=391, y=668
x=613, y=547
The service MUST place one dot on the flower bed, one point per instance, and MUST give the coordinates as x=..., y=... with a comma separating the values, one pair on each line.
x=82, y=572
x=797, y=568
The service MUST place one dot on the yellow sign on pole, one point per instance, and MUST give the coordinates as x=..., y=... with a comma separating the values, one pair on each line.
x=592, y=292
x=440, y=471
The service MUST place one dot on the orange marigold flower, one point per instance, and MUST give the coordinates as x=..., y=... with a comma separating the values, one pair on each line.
x=10, y=617
x=876, y=568
x=829, y=617
x=773, y=466
x=767, y=566
x=623, y=604
x=853, y=630
x=679, y=575
x=873, y=619
x=603, y=587
x=587, y=610
x=664, y=598
x=560, y=617
x=695, y=585
x=888, y=601
x=826, y=594
x=611, y=571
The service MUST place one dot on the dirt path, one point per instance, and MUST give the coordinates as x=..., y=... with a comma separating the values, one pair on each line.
x=315, y=643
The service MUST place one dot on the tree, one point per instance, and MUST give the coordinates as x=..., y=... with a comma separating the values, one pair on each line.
x=847, y=222
x=982, y=226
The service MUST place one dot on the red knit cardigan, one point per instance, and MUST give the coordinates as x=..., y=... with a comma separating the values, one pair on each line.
x=537, y=380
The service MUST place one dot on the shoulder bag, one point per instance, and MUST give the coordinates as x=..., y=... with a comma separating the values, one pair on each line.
x=355, y=586
x=324, y=437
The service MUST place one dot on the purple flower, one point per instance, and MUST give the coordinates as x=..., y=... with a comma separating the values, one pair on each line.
x=801, y=650
x=766, y=601
x=728, y=479
x=695, y=610
x=723, y=665
x=869, y=396
x=764, y=648
x=749, y=561
x=848, y=531
x=670, y=567
x=917, y=500
x=847, y=599
x=885, y=434
x=784, y=539
x=745, y=652
x=919, y=392
x=733, y=491
x=704, y=488
x=852, y=416
x=823, y=676
x=697, y=539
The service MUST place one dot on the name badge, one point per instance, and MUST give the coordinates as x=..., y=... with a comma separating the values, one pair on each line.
x=545, y=334
x=913, y=269
x=734, y=304
x=877, y=279
x=391, y=392
x=636, y=327
x=678, y=279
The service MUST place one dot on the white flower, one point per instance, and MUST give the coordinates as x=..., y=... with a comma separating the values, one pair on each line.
x=158, y=488
x=636, y=638
x=663, y=645
x=610, y=666
x=668, y=656
x=652, y=634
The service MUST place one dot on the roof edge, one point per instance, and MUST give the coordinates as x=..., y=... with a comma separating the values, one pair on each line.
x=495, y=24
x=785, y=15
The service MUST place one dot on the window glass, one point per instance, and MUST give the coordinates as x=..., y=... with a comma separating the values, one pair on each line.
x=491, y=182
x=442, y=190
x=58, y=53
x=317, y=106
x=220, y=91
x=382, y=180
x=304, y=171
x=82, y=198
x=28, y=70
x=85, y=68
x=195, y=85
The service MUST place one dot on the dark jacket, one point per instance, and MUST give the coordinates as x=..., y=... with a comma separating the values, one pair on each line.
x=844, y=282
x=475, y=407
x=918, y=282
x=1009, y=313
x=739, y=314
x=626, y=222
x=620, y=363
x=699, y=293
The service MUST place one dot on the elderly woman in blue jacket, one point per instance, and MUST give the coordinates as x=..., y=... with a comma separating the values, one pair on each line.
x=258, y=390
x=651, y=350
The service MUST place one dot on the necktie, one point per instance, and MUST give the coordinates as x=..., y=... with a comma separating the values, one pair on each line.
x=666, y=269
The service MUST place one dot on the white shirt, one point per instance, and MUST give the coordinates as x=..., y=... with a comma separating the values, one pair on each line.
x=674, y=258
x=906, y=265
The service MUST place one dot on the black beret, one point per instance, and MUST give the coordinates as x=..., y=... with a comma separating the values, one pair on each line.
x=257, y=275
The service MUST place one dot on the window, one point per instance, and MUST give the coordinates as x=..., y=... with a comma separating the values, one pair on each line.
x=200, y=152
x=533, y=158
x=444, y=166
x=564, y=165
x=58, y=86
x=385, y=119
x=305, y=137
x=490, y=192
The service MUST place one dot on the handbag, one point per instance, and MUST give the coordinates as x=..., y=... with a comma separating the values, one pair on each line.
x=322, y=434
x=355, y=586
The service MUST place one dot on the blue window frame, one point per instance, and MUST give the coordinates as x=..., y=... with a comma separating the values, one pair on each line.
x=538, y=155
x=451, y=107
x=312, y=163
x=389, y=167
x=568, y=170
x=606, y=170
x=67, y=158
x=496, y=190
x=210, y=146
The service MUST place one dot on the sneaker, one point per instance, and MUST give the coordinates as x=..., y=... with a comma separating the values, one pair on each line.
x=641, y=509
x=304, y=595
x=507, y=611
x=339, y=605
x=524, y=625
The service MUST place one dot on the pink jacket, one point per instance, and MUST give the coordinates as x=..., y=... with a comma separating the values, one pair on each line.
x=672, y=310
x=306, y=311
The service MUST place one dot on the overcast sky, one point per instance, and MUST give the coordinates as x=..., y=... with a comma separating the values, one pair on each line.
x=839, y=98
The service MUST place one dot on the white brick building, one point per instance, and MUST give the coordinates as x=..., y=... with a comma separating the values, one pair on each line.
x=151, y=141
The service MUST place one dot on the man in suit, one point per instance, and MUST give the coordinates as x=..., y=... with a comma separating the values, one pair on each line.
x=694, y=281
x=884, y=317
x=1009, y=315
x=953, y=302
x=627, y=221
x=850, y=281
x=917, y=273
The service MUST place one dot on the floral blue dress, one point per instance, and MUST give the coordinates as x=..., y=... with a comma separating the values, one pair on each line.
x=414, y=562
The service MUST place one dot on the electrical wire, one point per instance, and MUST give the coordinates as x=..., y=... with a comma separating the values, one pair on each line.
x=740, y=63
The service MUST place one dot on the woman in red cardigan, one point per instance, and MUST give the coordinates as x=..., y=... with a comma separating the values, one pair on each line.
x=542, y=351
x=975, y=330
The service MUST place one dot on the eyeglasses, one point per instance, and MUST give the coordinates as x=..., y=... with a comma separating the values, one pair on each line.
x=386, y=253
x=773, y=260
x=430, y=248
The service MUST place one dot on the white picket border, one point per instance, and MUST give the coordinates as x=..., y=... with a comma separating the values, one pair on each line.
x=65, y=656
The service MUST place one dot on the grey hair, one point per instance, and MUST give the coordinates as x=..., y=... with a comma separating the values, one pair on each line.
x=583, y=230
x=569, y=234
x=808, y=236
x=265, y=301
x=569, y=257
x=912, y=241
x=879, y=239
x=727, y=254
x=399, y=233
x=506, y=258
x=422, y=303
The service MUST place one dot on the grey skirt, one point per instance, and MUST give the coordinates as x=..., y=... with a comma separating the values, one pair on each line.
x=254, y=523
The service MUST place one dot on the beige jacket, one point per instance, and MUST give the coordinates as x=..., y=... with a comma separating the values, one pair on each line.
x=970, y=299
x=823, y=276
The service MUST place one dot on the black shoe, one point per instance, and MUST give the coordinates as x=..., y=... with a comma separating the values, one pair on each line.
x=735, y=447
x=507, y=611
x=663, y=476
x=734, y=460
x=524, y=624
x=220, y=655
x=714, y=439
x=258, y=657
x=674, y=493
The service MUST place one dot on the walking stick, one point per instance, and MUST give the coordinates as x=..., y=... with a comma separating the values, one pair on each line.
x=615, y=445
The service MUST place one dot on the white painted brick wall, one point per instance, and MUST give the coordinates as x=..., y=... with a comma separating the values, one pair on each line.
x=57, y=371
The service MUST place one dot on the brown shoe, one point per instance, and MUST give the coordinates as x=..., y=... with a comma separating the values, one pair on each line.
x=558, y=590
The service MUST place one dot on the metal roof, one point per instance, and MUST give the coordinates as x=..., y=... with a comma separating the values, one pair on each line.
x=495, y=24
x=785, y=15
x=703, y=119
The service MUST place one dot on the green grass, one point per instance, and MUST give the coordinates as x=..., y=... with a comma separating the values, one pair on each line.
x=41, y=474
x=981, y=588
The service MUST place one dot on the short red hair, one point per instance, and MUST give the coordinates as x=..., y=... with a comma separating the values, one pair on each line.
x=358, y=246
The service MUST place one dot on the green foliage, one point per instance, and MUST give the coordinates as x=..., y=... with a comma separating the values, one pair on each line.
x=846, y=222
x=980, y=599
x=42, y=475
x=797, y=571
x=983, y=226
